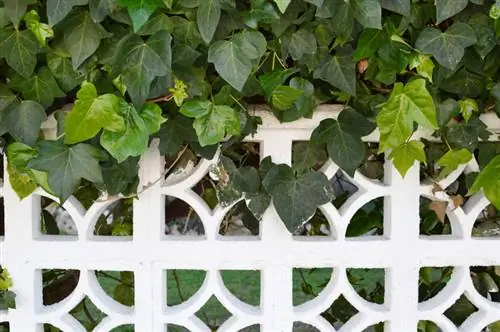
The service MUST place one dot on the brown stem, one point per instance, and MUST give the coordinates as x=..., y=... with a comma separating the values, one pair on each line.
x=161, y=99
x=383, y=90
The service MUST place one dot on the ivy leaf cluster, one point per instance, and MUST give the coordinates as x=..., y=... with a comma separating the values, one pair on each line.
x=113, y=74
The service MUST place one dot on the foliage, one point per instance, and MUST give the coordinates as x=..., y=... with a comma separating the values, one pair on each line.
x=115, y=74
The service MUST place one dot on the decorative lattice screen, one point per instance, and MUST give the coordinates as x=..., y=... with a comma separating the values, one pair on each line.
x=401, y=251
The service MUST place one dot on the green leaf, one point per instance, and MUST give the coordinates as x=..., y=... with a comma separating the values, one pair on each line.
x=124, y=294
x=245, y=179
x=151, y=115
x=347, y=151
x=213, y=127
x=296, y=199
x=489, y=181
x=196, y=108
x=340, y=71
x=467, y=107
x=405, y=155
x=464, y=84
x=24, y=121
x=368, y=13
x=5, y=280
x=485, y=33
x=140, y=62
x=423, y=64
x=186, y=32
x=232, y=59
x=57, y=9
x=174, y=133
x=62, y=70
x=99, y=9
x=402, y=7
x=306, y=155
x=405, y=105
x=369, y=42
x=19, y=48
x=140, y=10
x=15, y=9
x=452, y=159
x=447, y=47
x=20, y=176
x=91, y=113
x=448, y=8
x=282, y=4
x=155, y=24
x=306, y=104
x=208, y=17
x=258, y=205
x=355, y=123
x=302, y=42
x=67, y=165
x=41, y=30
x=82, y=37
x=41, y=87
x=271, y=80
x=6, y=99
x=132, y=140
x=284, y=97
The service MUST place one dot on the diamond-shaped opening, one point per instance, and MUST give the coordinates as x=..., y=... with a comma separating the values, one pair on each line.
x=4, y=327
x=239, y=221
x=182, y=284
x=460, y=310
x=117, y=219
x=303, y=327
x=433, y=217
x=213, y=313
x=307, y=156
x=181, y=219
x=373, y=165
x=58, y=284
x=368, y=283
x=486, y=280
x=488, y=223
x=244, y=284
x=251, y=328
x=339, y=312
x=176, y=328
x=87, y=194
x=124, y=328
x=432, y=280
x=427, y=326
x=87, y=314
x=308, y=283
x=49, y=328
x=368, y=220
x=180, y=166
x=343, y=188
x=55, y=220
x=119, y=285
x=318, y=225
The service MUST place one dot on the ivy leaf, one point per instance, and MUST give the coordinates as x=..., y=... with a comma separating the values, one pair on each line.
x=5, y=280
x=19, y=48
x=302, y=42
x=155, y=24
x=489, y=181
x=20, y=176
x=6, y=99
x=405, y=155
x=245, y=179
x=284, y=97
x=306, y=155
x=368, y=13
x=140, y=62
x=258, y=205
x=402, y=7
x=346, y=150
x=15, y=9
x=448, y=8
x=208, y=17
x=151, y=115
x=296, y=199
x=369, y=42
x=271, y=80
x=140, y=10
x=467, y=135
x=91, y=113
x=339, y=71
x=41, y=87
x=447, y=47
x=67, y=165
x=467, y=107
x=41, y=30
x=82, y=37
x=423, y=64
x=132, y=140
x=282, y=4
x=406, y=104
x=355, y=123
x=232, y=59
x=62, y=70
x=57, y=9
x=464, y=84
x=213, y=127
x=24, y=121
x=174, y=133
x=451, y=160
x=306, y=103
x=99, y=9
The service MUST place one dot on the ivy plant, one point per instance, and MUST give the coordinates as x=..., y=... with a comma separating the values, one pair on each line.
x=115, y=74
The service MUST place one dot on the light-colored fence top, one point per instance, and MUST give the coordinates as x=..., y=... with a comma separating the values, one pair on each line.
x=401, y=251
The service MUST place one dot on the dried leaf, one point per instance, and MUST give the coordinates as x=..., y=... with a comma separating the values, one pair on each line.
x=440, y=208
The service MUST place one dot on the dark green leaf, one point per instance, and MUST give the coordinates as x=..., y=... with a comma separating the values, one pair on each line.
x=62, y=70
x=59, y=9
x=355, y=123
x=340, y=71
x=302, y=42
x=208, y=17
x=369, y=42
x=306, y=155
x=447, y=8
x=24, y=121
x=99, y=9
x=402, y=7
x=41, y=87
x=140, y=10
x=15, y=9
x=19, y=48
x=174, y=133
x=284, y=97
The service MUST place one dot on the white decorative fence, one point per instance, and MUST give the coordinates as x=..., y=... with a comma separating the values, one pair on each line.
x=401, y=251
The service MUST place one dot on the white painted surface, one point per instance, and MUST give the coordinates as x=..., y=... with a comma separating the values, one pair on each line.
x=401, y=251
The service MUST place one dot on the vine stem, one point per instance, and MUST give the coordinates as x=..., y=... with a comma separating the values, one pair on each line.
x=148, y=186
x=160, y=99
